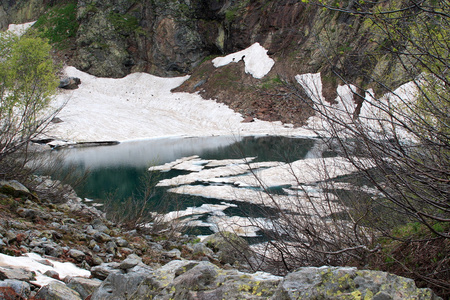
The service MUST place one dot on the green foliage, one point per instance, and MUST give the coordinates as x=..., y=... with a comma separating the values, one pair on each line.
x=59, y=24
x=271, y=82
x=27, y=82
x=125, y=23
x=234, y=10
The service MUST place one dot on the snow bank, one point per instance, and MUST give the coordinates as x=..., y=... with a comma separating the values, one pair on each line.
x=35, y=263
x=376, y=114
x=257, y=62
x=20, y=29
x=141, y=106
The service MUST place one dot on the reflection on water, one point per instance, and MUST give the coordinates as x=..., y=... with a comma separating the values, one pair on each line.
x=118, y=170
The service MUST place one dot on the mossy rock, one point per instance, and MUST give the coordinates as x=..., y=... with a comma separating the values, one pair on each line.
x=14, y=188
x=229, y=247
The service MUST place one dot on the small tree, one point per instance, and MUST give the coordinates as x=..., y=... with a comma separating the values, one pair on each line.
x=27, y=82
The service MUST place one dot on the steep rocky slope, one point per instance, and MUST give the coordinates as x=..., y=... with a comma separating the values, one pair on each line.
x=172, y=38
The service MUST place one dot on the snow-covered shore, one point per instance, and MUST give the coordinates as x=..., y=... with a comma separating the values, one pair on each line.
x=142, y=106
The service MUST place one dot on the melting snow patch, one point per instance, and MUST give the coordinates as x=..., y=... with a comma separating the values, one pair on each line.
x=141, y=106
x=35, y=263
x=257, y=62
x=20, y=29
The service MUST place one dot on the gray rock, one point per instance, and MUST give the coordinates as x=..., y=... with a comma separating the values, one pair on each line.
x=77, y=254
x=83, y=286
x=120, y=287
x=206, y=281
x=102, y=271
x=121, y=242
x=201, y=249
x=21, y=288
x=224, y=244
x=52, y=249
x=13, y=188
x=111, y=247
x=57, y=290
x=96, y=260
x=52, y=274
x=174, y=254
x=101, y=237
x=131, y=261
x=342, y=283
x=15, y=273
x=69, y=83
x=200, y=277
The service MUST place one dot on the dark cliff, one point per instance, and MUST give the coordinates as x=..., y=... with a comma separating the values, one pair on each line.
x=176, y=37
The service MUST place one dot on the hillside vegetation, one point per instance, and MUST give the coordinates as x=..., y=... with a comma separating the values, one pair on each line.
x=374, y=46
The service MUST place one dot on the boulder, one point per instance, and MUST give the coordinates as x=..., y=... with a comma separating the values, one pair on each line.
x=69, y=83
x=83, y=286
x=105, y=269
x=229, y=247
x=15, y=273
x=21, y=288
x=77, y=255
x=13, y=188
x=131, y=261
x=348, y=283
x=119, y=286
x=57, y=290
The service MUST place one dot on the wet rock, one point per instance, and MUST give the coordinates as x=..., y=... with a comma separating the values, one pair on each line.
x=56, y=290
x=83, y=286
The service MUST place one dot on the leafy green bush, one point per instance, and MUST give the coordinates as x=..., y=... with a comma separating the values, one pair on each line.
x=59, y=24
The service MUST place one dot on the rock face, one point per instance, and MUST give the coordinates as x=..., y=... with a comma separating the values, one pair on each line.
x=118, y=37
x=170, y=38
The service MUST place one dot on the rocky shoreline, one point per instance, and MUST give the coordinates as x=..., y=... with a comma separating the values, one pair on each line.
x=120, y=264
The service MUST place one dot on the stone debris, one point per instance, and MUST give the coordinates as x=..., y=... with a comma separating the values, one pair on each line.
x=67, y=250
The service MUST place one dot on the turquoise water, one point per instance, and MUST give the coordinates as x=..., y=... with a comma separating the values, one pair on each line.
x=117, y=171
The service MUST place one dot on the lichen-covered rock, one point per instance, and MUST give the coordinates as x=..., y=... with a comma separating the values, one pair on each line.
x=348, y=283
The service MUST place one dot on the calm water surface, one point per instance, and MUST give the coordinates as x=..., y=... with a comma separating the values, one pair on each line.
x=117, y=171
